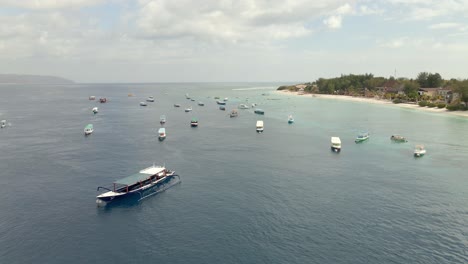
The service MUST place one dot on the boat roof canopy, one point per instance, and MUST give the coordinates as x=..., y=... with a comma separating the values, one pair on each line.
x=335, y=140
x=162, y=130
x=141, y=176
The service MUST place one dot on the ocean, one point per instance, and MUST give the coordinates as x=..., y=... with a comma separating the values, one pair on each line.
x=277, y=197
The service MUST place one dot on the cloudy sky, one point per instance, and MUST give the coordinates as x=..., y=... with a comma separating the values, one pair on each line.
x=229, y=40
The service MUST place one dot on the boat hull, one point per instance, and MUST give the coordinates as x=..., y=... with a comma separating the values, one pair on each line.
x=360, y=140
x=335, y=149
x=162, y=138
x=290, y=121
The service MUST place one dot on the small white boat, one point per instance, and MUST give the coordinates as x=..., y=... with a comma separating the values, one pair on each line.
x=419, y=151
x=188, y=109
x=176, y=105
x=201, y=103
x=225, y=99
x=335, y=144
x=187, y=96
x=143, y=104
x=3, y=123
x=162, y=134
x=243, y=106
x=259, y=126
x=162, y=119
x=150, y=99
x=88, y=129
x=95, y=110
x=92, y=97
x=363, y=136
x=290, y=119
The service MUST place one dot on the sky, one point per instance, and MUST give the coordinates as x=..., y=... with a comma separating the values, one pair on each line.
x=232, y=41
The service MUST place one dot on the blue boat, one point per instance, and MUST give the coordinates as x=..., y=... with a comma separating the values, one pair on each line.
x=140, y=185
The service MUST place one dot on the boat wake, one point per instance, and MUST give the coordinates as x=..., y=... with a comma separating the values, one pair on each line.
x=160, y=188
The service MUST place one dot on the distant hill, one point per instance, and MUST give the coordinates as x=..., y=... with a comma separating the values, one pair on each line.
x=32, y=79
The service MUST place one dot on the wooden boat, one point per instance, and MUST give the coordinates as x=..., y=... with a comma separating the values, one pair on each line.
x=259, y=126
x=162, y=134
x=103, y=100
x=363, y=136
x=335, y=144
x=419, y=151
x=140, y=185
x=290, y=119
x=398, y=139
x=194, y=122
x=259, y=111
x=234, y=113
x=162, y=119
x=89, y=129
x=95, y=110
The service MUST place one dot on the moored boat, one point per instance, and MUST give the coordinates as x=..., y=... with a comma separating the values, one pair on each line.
x=176, y=105
x=201, y=103
x=335, y=144
x=187, y=96
x=3, y=123
x=150, y=99
x=243, y=106
x=398, y=139
x=88, y=129
x=188, y=109
x=92, y=97
x=419, y=151
x=103, y=100
x=162, y=119
x=143, y=104
x=95, y=110
x=216, y=97
x=363, y=136
x=290, y=119
x=142, y=184
x=162, y=134
x=221, y=102
x=225, y=99
x=222, y=107
x=259, y=111
x=234, y=113
x=259, y=126
x=194, y=122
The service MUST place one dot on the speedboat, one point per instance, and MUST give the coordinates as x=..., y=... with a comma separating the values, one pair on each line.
x=188, y=109
x=140, y=185
x=150, y=99
x=290, y=119
x=234, y=113
x=419, y=151
x=398, y=139
x=335, y=144
x=194, y=122
x=363, y=136
x=143, y=104
x=88, y=129
x=162, y=119
x=259, y=126
x=95, y=110
x=162, y=134
x=3, y=123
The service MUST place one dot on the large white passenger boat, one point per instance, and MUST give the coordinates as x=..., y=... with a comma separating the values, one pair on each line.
x=142, y=184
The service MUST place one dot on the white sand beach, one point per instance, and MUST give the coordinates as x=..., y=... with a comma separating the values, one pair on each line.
x=377, y=101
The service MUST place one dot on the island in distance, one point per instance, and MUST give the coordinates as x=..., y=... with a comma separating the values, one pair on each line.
x=32, y=79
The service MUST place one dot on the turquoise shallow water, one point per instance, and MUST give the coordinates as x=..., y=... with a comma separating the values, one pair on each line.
x=277, y=197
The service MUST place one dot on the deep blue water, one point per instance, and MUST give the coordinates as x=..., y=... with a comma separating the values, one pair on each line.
x=277, y=197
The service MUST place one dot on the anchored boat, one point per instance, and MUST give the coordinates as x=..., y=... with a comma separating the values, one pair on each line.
x=150, y=99
x=143, y=104
x=88, y=129
x=234, y=113
x=194, y=122
x=3, y=123
x=95, y=110
x=259, y=111
x=290, y=119
x=419, y=151
x=362, y=137
x=162, y=134
x=142, y=184
x=259, y=126
x=398, y=138
x=103, y=100
x=162, y=119
x=221, y=102
x=335, y=144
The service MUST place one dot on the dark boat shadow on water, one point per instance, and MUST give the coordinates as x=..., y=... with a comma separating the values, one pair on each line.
x=135, y=199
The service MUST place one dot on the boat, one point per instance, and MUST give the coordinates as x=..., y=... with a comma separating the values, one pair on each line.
x=187, y=96
x=234, y=113
x=143, y=184
x=95, y=110
x=162, y=119
x=162, y=134
x=103, y=100
x=259, y=111
x=225, y=99
x=216, y=97
x=92, y=97
x=335, y=144
x=176, y=105
x=259, y=126
x=194, y=122
x=3, y=123
x=290, y=119
x=221, y=102
x=243, y=106
x=193, y=100
x=419, y=151
x=201, y=104
x=254, y=105
x=88, y=129
x=143, y=104
x=188, y=109
x=150, y=99
x=363, y=136
x=222, y=107
x=398, y=139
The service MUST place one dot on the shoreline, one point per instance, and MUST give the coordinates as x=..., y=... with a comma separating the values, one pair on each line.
x=377, y=101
